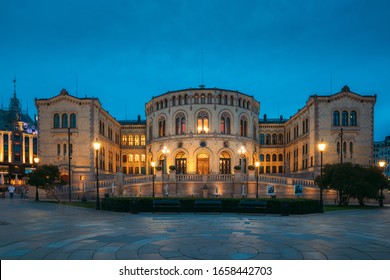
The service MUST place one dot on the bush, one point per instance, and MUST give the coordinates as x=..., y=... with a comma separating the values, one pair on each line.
x=237, y=167
x=229, y=205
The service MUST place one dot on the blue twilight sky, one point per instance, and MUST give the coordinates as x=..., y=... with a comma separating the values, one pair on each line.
x=126, y=51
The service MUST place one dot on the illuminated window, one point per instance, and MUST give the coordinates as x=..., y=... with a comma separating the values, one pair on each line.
x=136, y=158
x=225, y=123
x=124, y=140
x=203, y=122
x=131, y=158
x=136, y=140
x=180, y=127
x=143, y=140
x=143, y=158
x=131, y=140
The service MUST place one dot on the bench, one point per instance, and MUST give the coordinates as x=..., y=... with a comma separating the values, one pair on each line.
x=208, y=205
x=252, y=206
x=166, y=204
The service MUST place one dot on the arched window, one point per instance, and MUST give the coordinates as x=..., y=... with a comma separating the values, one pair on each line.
x=196, y=99
x=351, y=148
x=56, y=120
x=64, y=150
x=280, y=139
x=345, y=118
x=124, y=158
x=131, y=158
x=244, y=126
x=174, y=101
x=274, y=157
x=180, y=100
x=180, y=124
x=64, y=120
x=73, y=120
x=268, y=157
x=225, y=123
x=274, y=139
x=280, y=157
x=261, y=157
x=136, y=140
x=209, y=98
x=143, y=140
x=261, y=139
x=353, y=121
x=231, y=100
x=268, y=139
x=58, y=149
x=225, y=100
x=161, y=127
x=131, y=140
x=203, y=98
x=203, y=122
x=336, y=118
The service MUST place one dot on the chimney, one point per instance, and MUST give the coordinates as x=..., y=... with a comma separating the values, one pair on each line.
x=139, y=118
x=265, y=117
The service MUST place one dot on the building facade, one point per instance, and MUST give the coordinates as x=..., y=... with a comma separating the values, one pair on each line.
x=382, y=152
x=18, y=142
x=205, y=131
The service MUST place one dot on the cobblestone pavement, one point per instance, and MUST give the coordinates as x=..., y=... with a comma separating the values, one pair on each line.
x=38, y=230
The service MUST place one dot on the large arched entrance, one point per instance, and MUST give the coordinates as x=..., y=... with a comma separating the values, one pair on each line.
x=202, y=164
x=224, y=163
x=181, y=163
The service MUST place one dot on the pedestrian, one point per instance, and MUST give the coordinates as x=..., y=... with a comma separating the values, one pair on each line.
x=11, y=190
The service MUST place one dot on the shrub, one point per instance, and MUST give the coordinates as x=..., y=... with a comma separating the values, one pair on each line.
x=237, y=167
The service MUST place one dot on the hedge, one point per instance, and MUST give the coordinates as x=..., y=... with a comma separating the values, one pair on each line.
x=229, y=205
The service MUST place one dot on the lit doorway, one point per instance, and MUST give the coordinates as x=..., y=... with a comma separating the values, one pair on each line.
x=224, y=163
x=203, y=164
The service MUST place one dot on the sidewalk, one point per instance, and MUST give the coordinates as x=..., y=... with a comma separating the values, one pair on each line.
x=39, y=230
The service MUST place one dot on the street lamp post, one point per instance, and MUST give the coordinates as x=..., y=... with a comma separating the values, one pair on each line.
x=241, y=151
x=321, y=147
x=36, y=160
x=165, y=151
x=382, y=165
x=257, y=164
x=153, y=164
x=96, y=146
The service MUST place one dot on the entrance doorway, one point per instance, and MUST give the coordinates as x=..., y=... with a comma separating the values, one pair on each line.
x=203, y=164
x=181, y=163
x=224, y=163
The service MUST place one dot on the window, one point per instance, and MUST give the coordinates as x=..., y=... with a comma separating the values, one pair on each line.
x=131, y=158
x=274, y=139
x=351, y=148
x=124, y=158
x=136, y=140
x=268, y=157
x=261, y=157
x=261, y=139
x=56, y=120
x=274, y=157
x=203, y=122
x=203, y=98
x=225, y=123
x=280, y=139
x=136, y=158
x=58, y=149
x=161, y=127
x=143, y=143
x=130, y=139
x=64, y=120
x=73, y=120
x=180, y=124
x=124, y=140
x=64, y=149
x=280, y=157
x=345, y=118
x=244, y=126
x=268, y=139
x=353, y=121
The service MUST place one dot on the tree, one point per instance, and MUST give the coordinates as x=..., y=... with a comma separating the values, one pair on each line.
x=353, y=181
x=45, y=177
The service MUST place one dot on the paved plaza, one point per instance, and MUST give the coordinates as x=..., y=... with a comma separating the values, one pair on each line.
x=39, y=230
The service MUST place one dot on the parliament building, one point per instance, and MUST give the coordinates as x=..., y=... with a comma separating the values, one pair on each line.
x=204, y=131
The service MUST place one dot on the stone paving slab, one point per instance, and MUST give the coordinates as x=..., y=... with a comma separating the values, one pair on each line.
x=38, y=230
